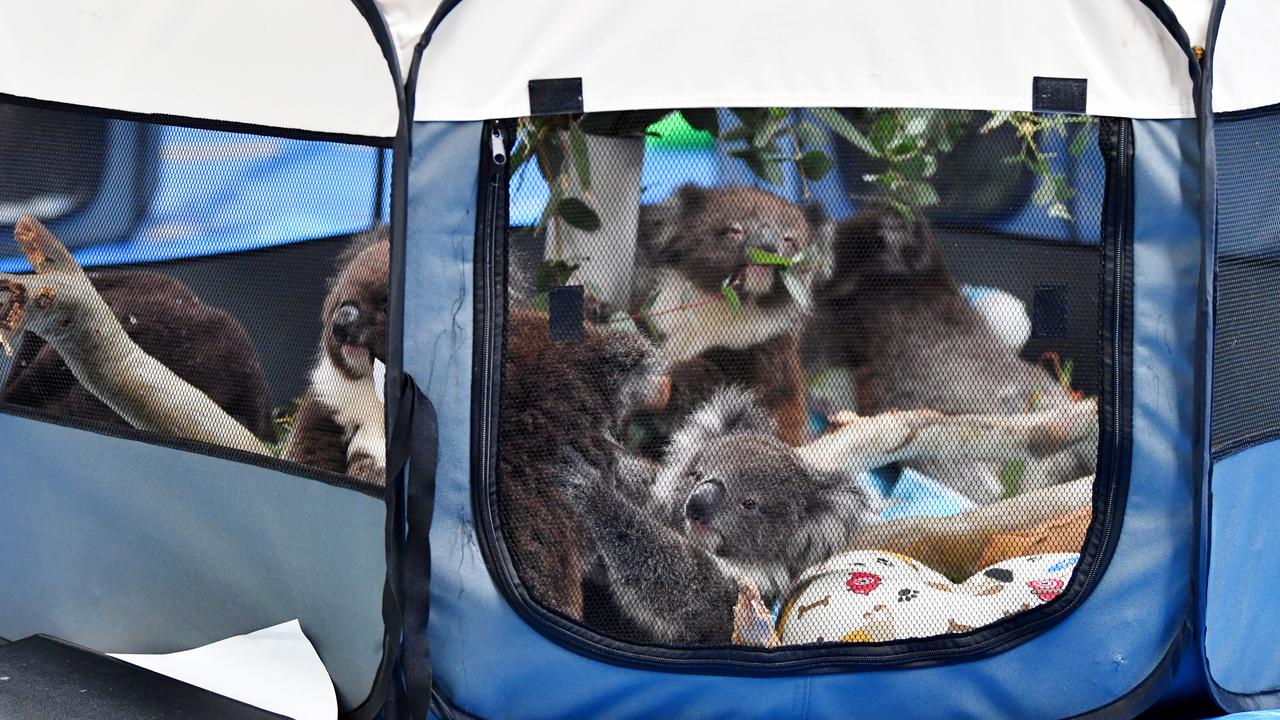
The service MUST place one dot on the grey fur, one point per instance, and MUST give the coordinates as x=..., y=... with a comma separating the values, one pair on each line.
x=675, y=580
x=894, y=314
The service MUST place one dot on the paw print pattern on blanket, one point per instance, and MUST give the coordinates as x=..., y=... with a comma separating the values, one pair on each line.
x=868, y=596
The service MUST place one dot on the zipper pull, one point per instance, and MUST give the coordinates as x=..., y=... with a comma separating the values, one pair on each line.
x=497, y=146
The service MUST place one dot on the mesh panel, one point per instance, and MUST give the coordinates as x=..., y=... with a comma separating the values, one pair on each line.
x=800, y=376
x=1246, y=367
x=269, y=349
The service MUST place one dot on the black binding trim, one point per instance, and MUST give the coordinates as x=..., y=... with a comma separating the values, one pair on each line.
x=1228, y=700
x=389, y=682
x=1110, y=490
x=201, y=123
x=196, y=447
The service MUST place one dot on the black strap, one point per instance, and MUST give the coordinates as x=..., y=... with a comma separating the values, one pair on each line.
x=411, y=465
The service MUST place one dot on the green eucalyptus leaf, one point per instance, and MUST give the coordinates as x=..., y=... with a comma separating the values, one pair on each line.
x=519, y=155
x=737, y=132
x=578, y=214
x=581, y=159
x=766, y=134
x=756, y=256
x=1081, y=141
x=917, y=193
x=759, y=166
x=541, y=301
x=916, y=166
x=884, y=130
x=808, y=134
x=1011, y=477
x=731, y=296
x=550, y=157
x=996, y=120
x=1058, y=210
x=751, y=117
x=555, y=272
x=845, y=129
x=815, y=164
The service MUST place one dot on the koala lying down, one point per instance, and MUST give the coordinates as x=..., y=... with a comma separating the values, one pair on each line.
x=729, y=501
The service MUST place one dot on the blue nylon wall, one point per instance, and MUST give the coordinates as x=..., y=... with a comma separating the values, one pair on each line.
x=124, y=546
x=490, y=664
x=1242, y=615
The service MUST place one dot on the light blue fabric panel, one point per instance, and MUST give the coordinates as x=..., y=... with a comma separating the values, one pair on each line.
x=1242, y=610
x=489, y=663
x=123, y=546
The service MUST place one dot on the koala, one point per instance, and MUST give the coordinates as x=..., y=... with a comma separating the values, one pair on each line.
x=202, y=345
x=571, y=395
x=730, y=501
x=688, y=249
x=339, y=425
x=893, y=314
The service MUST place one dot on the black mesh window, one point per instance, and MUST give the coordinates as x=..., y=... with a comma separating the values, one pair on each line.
x=1246, y=367
x=777, y=377
x=216, y=290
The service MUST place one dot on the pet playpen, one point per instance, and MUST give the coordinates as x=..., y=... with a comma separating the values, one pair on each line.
x=789, y=360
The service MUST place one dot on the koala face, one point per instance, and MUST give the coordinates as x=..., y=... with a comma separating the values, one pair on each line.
x=746, y=497
x=880, y=242
x=715, y=229
x=356, y=310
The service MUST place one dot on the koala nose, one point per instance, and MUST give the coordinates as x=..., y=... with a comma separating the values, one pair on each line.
x=765, y=238
x=704, y=500
x=344, y=322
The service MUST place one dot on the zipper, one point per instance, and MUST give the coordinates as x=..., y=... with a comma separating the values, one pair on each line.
x=492, y=236
x=1116, y=145
x=1120, y=151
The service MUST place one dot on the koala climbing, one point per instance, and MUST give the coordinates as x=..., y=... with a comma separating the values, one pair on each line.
x=731, y=501
x=339, y=426
x=203, y=345
x=558, y=395
x=893, y=313
x=688, y=249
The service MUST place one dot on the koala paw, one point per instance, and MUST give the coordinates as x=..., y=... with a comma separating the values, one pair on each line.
x=578, y=477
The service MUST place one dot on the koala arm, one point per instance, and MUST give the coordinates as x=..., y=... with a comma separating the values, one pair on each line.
x=658, y=579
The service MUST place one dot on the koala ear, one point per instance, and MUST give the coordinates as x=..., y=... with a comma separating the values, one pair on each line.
x=624, y=364
x=690, y=198
x=656, y=231
x=928, y=252
x=729, y=411
x=835, y=508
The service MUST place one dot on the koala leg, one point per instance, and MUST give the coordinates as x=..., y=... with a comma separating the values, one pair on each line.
x=660, y=581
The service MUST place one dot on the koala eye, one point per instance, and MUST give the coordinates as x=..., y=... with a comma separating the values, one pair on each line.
x=748, y=504
x=790, y=243
x=735, y=230
x=694, y=475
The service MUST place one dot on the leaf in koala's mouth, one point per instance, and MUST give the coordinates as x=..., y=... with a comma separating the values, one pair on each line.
x=731, y=295
x=756, y=256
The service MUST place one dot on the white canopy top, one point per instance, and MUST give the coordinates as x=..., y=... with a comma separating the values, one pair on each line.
x=315, y=65
x=976, y=54
x=299, y=64
x=1246, y=71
